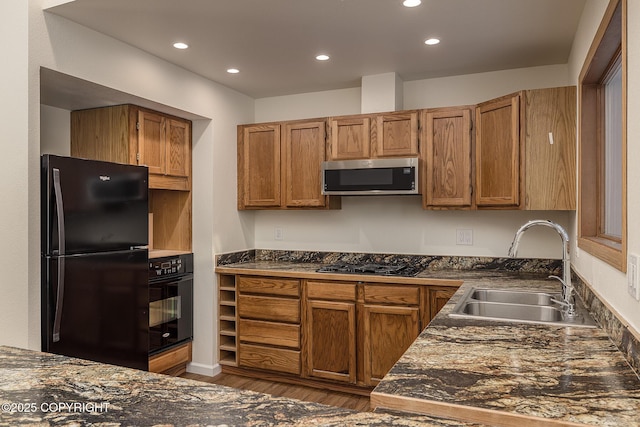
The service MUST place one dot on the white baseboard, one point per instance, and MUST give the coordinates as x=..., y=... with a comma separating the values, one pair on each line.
x=202, y=369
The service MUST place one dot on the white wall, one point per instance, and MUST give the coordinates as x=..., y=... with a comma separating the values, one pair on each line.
x=307, y=105
x=66, y=47
x=607, y=281
x=398, y=224
x=476, y=88
x=15, y=320
x=55, y=131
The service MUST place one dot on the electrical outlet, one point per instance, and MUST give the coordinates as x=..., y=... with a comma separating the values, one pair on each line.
x=633, y=276
x=464, y=237
x=278, y=234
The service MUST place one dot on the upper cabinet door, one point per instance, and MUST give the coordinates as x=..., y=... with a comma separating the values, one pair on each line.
x=151, y=142
x=350, y=138
x=302, y=157
x=396, y=135
x=259, y=164
x=498, y=152
x=447, y=158
x=550, y=140
x=178, y=148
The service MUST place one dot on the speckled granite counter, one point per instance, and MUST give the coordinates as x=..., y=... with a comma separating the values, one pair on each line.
x=512, y=373
x=40, y=389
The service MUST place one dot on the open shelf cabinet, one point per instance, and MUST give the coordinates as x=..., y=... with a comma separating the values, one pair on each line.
x=227, y=320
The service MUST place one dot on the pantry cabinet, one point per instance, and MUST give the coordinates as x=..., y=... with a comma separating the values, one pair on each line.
x=392, y=134
x=526, y=150
x=447, y=158
x=279, y=165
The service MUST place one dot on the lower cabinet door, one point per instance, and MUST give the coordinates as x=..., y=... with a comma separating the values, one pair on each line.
x=388, y=332
x=272, y=359
x=330, y=333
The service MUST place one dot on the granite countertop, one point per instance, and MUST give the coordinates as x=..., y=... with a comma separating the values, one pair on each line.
x=41, y=389
x=510, y=373
x=498, y=373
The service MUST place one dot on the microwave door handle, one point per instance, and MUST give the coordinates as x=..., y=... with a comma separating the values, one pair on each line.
x=57, y=189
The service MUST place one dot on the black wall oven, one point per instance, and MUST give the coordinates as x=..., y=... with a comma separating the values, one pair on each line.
x=170, y=301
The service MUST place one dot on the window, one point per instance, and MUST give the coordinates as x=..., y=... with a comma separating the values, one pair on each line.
x=602, y=222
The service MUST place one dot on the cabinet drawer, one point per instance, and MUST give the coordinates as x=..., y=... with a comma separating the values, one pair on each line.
x=331, y=290
x=273, y=359
x=405, y=295
x=269, y=285
x=169, y=359
x=269, y=308
x=261, y=332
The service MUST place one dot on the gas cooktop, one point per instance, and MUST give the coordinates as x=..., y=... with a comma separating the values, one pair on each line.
x=404, y=270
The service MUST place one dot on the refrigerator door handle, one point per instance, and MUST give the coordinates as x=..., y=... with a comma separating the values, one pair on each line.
x=57, y=189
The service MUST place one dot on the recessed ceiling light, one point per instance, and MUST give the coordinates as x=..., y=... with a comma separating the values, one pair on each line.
x=180, y=45
x=322, y=57
x=411, y=3
x=233, y=71
x=432, y=41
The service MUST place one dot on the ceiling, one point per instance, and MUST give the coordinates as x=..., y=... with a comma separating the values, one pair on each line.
x=274, y=42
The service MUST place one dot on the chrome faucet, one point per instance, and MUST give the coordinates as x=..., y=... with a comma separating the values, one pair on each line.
x=568, y=300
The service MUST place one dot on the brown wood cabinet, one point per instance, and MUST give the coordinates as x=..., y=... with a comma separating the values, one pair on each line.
x=134, y=135
x=447, y=158
x=330, y=331
x=171, y=362
x=342, y=334
x=279, y=165
x=259, y=169
x=549, y=133
x=393, y=134
x=268, y=324
x=350, y=137
x=391, y=322
x=525, y=150
x=438, y=297
x=498, y=152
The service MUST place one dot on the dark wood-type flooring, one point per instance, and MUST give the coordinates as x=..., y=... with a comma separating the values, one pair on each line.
x=309, y=394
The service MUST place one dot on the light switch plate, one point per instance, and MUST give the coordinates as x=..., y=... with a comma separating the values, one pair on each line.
x=633, y=276
x=278, y=234
x=464, y=236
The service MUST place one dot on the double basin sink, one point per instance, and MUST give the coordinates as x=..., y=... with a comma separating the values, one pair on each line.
x=519, y=306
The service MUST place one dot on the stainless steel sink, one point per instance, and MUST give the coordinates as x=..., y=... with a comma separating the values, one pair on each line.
x=515, y=297
x=518, y=306
x=529, y=313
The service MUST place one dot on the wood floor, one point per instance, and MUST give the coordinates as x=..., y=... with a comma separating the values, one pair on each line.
x=309, y=394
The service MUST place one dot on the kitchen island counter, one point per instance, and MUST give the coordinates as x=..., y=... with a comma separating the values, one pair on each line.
x=511, y=374
x=41, y=389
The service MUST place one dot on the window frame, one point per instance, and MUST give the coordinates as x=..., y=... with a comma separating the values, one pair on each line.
x=609, y=44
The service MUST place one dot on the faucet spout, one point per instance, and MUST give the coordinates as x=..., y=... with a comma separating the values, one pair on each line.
x=567, y=287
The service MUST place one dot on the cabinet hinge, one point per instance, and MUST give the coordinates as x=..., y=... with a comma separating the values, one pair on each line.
x=137, y=125
x=138, y=157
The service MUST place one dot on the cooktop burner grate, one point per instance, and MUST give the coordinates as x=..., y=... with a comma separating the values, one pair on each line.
x=405, y=270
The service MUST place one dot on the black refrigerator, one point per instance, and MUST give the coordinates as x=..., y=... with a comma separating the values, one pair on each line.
x=95, y=294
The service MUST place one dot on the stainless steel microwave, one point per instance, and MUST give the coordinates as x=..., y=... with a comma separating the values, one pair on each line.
x=370, y=177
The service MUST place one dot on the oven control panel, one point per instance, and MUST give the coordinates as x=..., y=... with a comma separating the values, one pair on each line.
x=176, y=265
